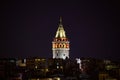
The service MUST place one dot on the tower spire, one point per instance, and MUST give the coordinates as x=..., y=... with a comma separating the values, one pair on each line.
x=60, y=20
x=60, y=31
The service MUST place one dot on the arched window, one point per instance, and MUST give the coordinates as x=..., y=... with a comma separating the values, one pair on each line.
x=64, y=45
x=57, y=45
x=60, y=45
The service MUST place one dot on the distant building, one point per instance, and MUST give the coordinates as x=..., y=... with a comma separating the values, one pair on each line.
x=8, y=70
x=21, y=62
x=36, y=63
x=60, y=44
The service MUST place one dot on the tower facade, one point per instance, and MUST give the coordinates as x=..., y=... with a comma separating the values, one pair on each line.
x=60, y=44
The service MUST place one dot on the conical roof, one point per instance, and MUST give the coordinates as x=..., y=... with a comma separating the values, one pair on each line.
x=60, y=31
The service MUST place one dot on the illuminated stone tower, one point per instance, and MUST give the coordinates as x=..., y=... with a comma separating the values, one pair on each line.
x=60, y=44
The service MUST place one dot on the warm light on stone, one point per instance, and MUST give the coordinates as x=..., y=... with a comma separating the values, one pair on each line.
x=60, y=44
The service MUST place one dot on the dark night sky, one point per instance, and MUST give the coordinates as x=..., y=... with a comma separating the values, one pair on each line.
x=29, y=27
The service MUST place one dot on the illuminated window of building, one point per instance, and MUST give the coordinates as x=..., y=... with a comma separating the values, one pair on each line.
x=57, y=67
x=24, y=60
x=64, y=46
x=43, y=59
x=46, y=70
x=60, y=45
x=37, y=59
x=61, y=67
x=36, y=67
x=57, y=46
x=38, y=79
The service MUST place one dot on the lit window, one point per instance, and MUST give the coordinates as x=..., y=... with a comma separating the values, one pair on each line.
x=36, y=67
x=57, y=67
